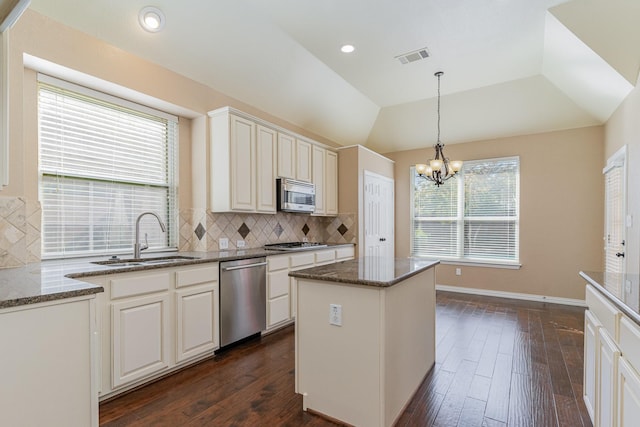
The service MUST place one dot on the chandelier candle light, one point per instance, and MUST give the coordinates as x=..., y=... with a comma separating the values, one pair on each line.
x=440, y=168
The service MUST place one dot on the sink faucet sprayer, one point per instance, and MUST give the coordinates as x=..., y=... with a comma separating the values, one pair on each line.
x=137, y=247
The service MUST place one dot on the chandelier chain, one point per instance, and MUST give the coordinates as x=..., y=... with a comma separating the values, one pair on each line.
x=439, y=74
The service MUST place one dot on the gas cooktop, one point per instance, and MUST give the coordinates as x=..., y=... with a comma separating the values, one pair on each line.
x=294, y=246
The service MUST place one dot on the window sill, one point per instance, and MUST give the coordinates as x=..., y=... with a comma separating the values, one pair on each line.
x=487, y=264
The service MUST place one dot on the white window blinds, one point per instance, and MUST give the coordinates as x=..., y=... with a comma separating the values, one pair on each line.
x=101, y=165
x=472, y=217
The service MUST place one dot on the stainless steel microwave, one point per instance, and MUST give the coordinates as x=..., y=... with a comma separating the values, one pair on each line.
x=295, y=196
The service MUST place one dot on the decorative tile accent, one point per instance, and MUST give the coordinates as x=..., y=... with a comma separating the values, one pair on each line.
x=278, y=229
x=342, y=229
x=200, y=231
x=244, y=230
x=20, y=225
x=305, y=229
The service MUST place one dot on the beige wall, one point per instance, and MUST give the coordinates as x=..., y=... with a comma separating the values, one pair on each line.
x=46, y=39
x=561, y=211
x=623, y=128
x=352, y=162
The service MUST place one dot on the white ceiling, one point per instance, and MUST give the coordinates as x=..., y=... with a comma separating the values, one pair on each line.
x=511, y=66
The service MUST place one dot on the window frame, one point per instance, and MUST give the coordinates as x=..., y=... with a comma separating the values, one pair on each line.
x=460, y=220
x=170, y=184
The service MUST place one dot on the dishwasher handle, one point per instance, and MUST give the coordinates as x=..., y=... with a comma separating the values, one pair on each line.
x=240, y=267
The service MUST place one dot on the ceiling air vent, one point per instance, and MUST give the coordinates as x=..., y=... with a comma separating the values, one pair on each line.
x=414, y=56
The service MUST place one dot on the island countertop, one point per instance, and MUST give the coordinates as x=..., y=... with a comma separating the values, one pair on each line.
x=367, y=271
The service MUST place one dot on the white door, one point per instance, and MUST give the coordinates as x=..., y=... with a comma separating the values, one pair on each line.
x=615, y=213
x=378, y=215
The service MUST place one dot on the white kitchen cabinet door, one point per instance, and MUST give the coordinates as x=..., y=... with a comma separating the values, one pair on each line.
x=197, y=321
x=243, y=164
x=232, y=163
x=140, y=338
x=286, y=156
x=589, y=382
x=628, y=408
x=319, y=165
x=303, y=160
x=266, y=143
x=608, y=355
x=331, y=184
x=278, y=310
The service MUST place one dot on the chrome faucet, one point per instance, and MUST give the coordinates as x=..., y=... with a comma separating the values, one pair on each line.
x=137, y=246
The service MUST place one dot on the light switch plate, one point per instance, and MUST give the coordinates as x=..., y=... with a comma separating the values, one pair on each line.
x=335, y=314
x=223, y=243
x=240, y=244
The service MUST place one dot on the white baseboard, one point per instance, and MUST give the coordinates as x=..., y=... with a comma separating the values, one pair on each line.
x=513, y=295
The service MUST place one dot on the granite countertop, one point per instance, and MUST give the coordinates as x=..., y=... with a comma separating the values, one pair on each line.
x=367, y=271
x=622, y=290
x=60, y=279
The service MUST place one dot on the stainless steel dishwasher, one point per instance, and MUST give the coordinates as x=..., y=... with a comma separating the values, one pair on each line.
x=243, y=293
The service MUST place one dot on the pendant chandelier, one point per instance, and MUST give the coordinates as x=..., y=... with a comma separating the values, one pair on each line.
x=439, y=168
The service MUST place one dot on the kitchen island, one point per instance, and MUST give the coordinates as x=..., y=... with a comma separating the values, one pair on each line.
x=365, y=337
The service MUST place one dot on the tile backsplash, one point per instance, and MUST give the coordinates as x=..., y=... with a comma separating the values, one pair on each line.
x=19, y=231
x=201, y=230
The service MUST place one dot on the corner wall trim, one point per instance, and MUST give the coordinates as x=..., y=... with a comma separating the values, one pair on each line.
x=513, y=295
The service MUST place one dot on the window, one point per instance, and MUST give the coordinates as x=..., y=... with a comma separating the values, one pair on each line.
x=103, y=161
x=472, y=217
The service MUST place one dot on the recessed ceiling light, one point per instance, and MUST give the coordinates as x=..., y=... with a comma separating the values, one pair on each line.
x=151, y=19
x=347, y=48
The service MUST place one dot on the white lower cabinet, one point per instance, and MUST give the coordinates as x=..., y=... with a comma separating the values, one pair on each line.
x=197, y=329
x=591, y=326
x=281, y=291
x=608, y=356
x=628, y=407
x=140, y=338
x=153, y=322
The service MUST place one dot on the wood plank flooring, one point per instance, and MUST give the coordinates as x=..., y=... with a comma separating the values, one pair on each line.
x=499, y=362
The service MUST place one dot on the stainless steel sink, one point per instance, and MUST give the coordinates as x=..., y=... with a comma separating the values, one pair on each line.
x=132, y=262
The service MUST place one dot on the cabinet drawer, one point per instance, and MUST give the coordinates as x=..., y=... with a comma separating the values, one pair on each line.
x=344, y=253
x=279, y=262
x=299, y=260
x=630, y=341
x=278, y=310
x=194, y=276
x=325, y=256
x=139, y=285
x=606, y=312
x=278, y=283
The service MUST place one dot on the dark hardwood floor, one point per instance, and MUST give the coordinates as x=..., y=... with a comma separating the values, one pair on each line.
x=499, y=362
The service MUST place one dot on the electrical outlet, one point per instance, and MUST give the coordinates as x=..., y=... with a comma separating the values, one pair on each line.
x=458, y=272
x=335, y=314
x=223, y=243
x=240, y=244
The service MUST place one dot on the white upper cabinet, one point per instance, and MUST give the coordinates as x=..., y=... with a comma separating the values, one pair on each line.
x=303, y=160
x=286, y=156
x=331, y=183
x=325, y=178
x=266, y=149
x=233, y=163
x=248, y=154
x=319, y=166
